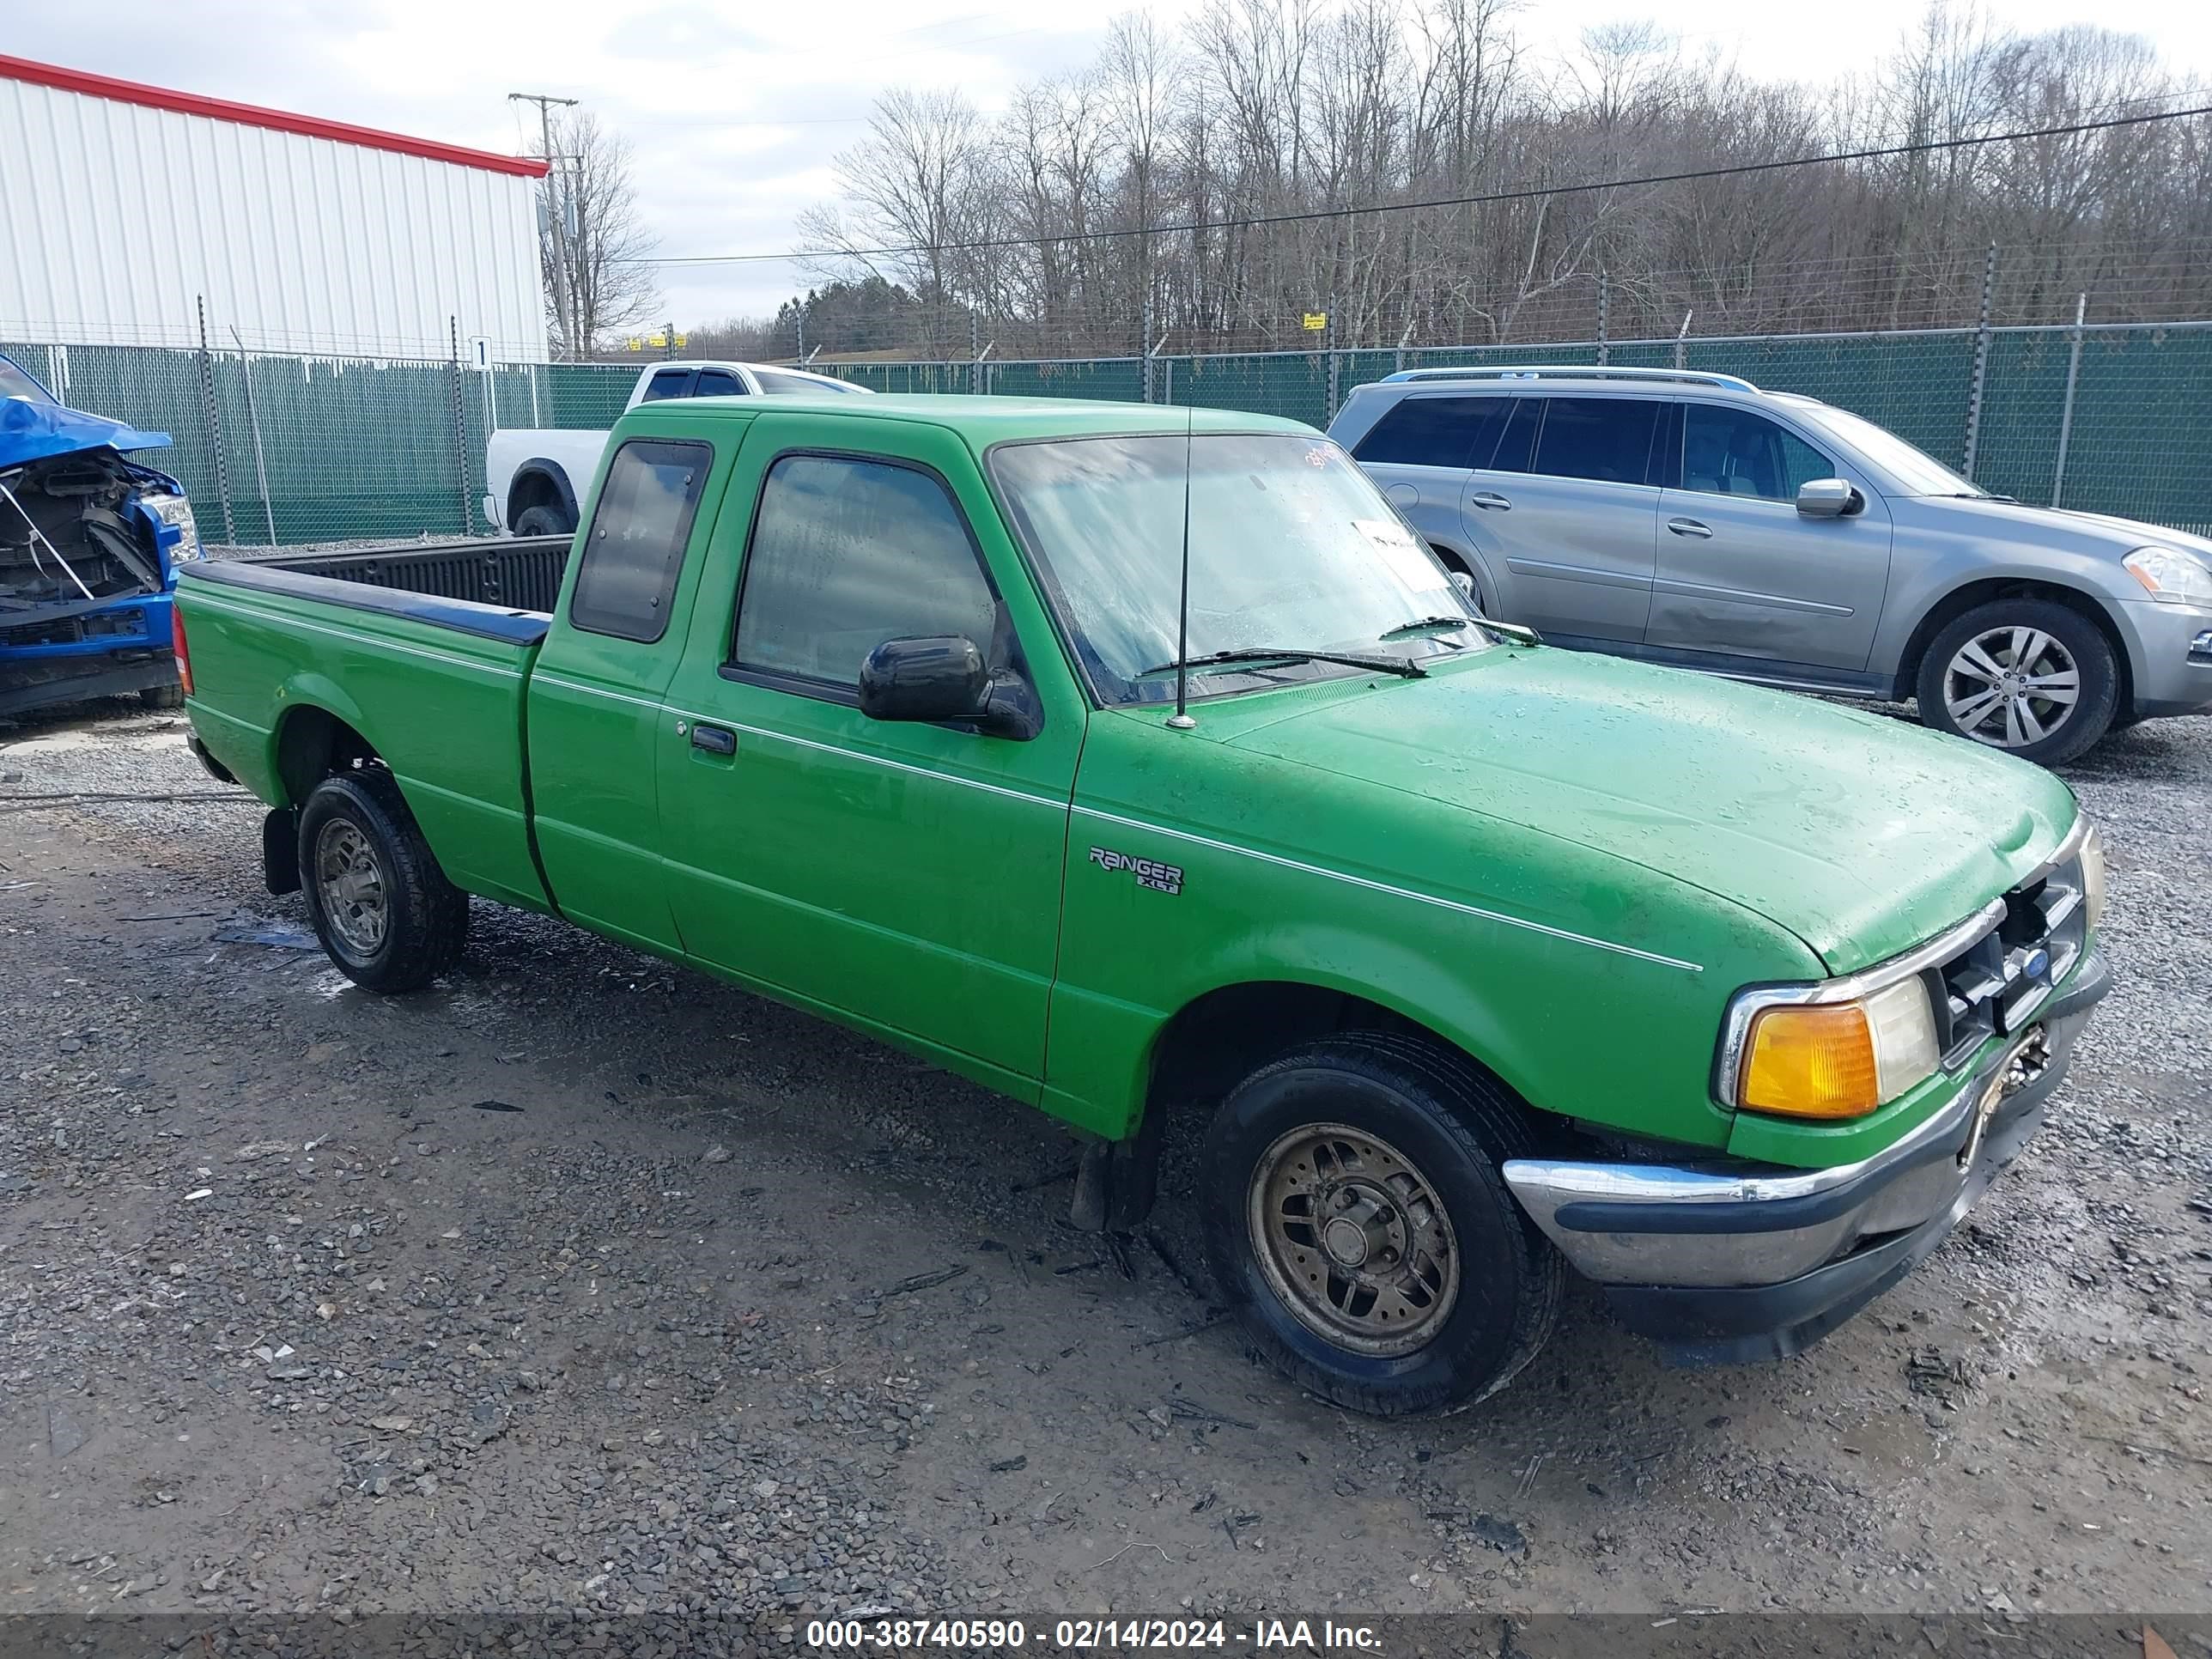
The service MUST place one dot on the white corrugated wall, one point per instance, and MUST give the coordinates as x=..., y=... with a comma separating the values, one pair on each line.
x=115, y=218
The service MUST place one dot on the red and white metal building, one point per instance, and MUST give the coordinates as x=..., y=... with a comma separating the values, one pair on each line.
x=123, y=208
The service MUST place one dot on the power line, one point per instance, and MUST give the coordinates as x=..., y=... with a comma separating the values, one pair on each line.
x=1521, y=193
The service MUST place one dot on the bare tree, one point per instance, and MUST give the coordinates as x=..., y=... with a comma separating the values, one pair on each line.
x=594, y=272
x=1205, y=178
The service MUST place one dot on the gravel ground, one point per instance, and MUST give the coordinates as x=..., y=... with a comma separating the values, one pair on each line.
x=582, y=1283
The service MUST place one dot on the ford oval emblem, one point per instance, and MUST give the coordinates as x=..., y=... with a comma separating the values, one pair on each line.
x=2038, y=965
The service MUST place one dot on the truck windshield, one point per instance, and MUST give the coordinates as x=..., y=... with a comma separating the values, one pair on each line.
x=1291, y=548
x=14, y=383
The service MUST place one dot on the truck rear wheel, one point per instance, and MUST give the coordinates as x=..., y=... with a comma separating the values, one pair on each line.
x=543, y=521
x=1362, y=1228
x=382, y=908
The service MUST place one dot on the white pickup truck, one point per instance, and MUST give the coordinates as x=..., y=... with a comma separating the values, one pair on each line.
x=532, y=478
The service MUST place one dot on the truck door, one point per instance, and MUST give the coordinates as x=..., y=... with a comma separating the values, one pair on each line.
x=904, y=876
x=593, y=713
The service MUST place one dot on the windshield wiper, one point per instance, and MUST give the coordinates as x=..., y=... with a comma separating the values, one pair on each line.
x=1404, y=629
x=1511, y=632
x=1397, y=665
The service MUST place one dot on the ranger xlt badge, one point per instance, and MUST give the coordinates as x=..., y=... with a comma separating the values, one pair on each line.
x=1149, y=873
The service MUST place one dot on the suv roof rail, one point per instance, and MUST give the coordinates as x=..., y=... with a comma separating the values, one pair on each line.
x=1574, y=372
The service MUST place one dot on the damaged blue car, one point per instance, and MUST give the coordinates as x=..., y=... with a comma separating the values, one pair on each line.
x=90, y=545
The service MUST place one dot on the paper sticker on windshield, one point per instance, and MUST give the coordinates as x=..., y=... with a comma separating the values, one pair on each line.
x=1408, y=561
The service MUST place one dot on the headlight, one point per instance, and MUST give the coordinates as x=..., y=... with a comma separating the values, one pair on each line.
x=2170, y=575
x=2093, y=877
x=177, y=512
x=1836, y=1060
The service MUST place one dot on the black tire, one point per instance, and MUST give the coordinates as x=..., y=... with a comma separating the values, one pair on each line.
x=1459, y=567
x=543, y=521
x=1456, y=1126
x=424, y=917
x=2078, y=726
x=162, y=697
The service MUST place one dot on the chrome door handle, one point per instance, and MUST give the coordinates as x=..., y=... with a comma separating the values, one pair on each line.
x=1491, y=501
x=714, y=739
x=1689, y=527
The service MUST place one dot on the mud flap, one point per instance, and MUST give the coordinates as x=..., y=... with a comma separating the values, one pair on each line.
x=1117, y=1180
x=280, y=850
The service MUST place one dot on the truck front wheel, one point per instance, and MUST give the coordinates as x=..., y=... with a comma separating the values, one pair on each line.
x=382, y=908
x=1362, y=1229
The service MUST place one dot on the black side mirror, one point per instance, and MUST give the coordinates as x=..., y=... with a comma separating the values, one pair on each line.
x=943, y=677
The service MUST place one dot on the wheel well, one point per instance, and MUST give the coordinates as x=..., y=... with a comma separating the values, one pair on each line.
x=1208, y=1046
x=1458, y=563
x=1213, y=1042
x=312, y=743
x=534, y=486
x=1957, y=603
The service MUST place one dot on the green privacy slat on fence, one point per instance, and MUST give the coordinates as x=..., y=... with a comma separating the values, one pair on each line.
x=1292, y=384
x=354, y=448
x=1115, y=379
x=2140, y=446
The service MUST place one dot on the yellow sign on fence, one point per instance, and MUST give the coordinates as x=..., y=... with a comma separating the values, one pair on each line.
x=1315, y=321
x=634, y=343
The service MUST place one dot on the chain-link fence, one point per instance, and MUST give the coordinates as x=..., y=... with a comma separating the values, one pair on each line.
x=290, y=449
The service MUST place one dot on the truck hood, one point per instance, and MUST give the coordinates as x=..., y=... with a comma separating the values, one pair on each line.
x=31, y=431
x=2091, y=533
x=1860, y=834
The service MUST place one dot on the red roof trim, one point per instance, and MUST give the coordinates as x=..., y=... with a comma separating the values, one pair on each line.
x=252, y=115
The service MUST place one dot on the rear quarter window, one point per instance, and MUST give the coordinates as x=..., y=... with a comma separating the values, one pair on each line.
x=633, y=551
x=668, y=383
x=1455, y=432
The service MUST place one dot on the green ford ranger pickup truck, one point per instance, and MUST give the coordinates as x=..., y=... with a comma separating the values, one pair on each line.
x=1134, y=761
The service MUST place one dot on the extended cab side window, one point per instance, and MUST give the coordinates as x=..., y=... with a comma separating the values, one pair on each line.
x=1733, y=452
x=634, y=550
x=847, y=553
x=1455, y=432
x=718, y=383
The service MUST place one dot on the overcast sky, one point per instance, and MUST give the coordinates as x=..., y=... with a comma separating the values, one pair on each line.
x=735, y=111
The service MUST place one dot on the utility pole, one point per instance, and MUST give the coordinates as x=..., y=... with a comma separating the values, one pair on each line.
x=556, y=213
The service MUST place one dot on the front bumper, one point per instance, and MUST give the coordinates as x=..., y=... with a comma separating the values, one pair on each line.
x=2169, y=656
x=1728, y=1262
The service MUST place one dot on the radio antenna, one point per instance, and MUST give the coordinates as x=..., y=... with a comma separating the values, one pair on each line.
x=1181, y=720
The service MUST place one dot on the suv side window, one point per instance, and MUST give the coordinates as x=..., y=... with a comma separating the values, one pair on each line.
x=1455, y=432
x=847, y=553
x=793, y=385
x=718, y=383
x=668, y=383
x=634, y=550
x=1733, y=452
x=1516, y=444
x=1605, y=439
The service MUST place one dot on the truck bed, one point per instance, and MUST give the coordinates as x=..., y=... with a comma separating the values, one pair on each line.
x=517, y=573
x=425, y=653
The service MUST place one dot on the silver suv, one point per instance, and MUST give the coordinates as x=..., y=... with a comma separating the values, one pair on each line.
x=1693, y=520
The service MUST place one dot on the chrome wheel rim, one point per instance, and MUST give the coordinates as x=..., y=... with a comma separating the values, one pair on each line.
x=2010, y=687
x=1352, y=1239
x=350, y=884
